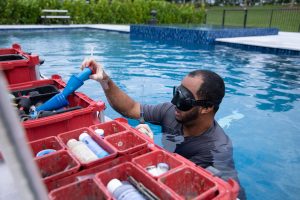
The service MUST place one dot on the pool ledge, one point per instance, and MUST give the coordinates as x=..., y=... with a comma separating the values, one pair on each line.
x=106, y=27
x=284, y=41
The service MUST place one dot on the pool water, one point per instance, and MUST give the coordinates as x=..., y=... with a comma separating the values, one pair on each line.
x=260, y=111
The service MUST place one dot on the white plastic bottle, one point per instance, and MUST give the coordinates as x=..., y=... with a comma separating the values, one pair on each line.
x=81, y=151
x=123, y=191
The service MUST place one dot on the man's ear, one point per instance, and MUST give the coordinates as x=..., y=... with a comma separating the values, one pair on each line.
x=206, y=110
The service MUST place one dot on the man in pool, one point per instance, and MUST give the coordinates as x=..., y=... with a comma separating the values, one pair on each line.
x=189, y=116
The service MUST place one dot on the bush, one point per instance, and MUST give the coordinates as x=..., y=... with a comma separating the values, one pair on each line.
x=100, y=11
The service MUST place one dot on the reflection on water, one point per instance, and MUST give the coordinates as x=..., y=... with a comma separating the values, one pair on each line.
x=171, y=140
x=260, y=110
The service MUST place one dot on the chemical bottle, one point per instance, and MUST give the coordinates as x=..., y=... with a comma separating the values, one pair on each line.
x=92, y=145
x=122, y=191
x=81, y=151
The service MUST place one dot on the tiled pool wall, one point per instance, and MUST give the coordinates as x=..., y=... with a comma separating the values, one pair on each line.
x=196, y=36
x=206, y=36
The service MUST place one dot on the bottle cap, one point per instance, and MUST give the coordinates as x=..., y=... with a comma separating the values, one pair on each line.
x=99, y=132
x=83, y=135
x=113, y=184
x=71, y=143
x=163, y=166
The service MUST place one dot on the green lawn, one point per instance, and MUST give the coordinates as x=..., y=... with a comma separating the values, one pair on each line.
x=284, y=18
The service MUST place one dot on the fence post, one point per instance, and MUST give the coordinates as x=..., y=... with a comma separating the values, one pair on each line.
x=153, y=19
x=245, y=17
x=223, y=20
x=205, y=16
x=271, y=18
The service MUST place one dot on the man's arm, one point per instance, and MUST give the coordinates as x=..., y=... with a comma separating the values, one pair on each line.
x=118, y=99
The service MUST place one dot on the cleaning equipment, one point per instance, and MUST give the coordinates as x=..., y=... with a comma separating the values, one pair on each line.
x=81, y=151
x=75, y=82
x=60, y=99
x=92, y=145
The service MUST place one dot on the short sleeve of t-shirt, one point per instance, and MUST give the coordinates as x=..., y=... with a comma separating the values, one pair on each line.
x=155, y=113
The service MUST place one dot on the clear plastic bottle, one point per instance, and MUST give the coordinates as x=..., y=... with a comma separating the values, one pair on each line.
x=81, y=151
x=123, y=191
x=92, y=145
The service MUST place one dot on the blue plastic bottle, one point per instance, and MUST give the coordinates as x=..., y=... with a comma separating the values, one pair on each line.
x=87, y=139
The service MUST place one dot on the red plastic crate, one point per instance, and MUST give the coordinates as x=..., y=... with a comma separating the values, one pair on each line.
x=155, y=157
x=110, y=127
x=22, y=70
x=57, y=165
x=65, y=137
x=53, y=125
x=46, y=143
x=123, y=171
x=127, y=142
x=90, y=172
x=187, y=183
x=55, y=80
x=83, y=190
x=226, y=190
x=124, y=123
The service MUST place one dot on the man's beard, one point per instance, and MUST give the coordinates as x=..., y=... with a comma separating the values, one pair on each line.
x=190, y=117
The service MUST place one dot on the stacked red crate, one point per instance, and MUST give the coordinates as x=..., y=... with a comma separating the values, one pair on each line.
x=19, y=66
x=183, y=180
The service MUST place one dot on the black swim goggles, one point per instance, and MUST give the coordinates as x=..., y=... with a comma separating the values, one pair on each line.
x=184, y=99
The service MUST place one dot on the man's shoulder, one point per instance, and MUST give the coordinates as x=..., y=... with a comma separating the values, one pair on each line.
x=221, y=139
x=217, y=130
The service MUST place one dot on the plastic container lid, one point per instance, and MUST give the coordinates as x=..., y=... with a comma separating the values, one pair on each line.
x=83, y=135
x=45, y=152
x=99, y=132
x=163, y=166
x=71, y=143
x=113, y=184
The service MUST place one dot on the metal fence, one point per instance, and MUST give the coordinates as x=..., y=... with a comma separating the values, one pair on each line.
x=286, y=19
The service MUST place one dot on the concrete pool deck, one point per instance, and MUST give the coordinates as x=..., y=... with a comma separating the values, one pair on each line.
x=284, y=40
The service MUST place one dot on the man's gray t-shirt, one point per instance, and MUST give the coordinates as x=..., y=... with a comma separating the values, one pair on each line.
x=211, y=148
